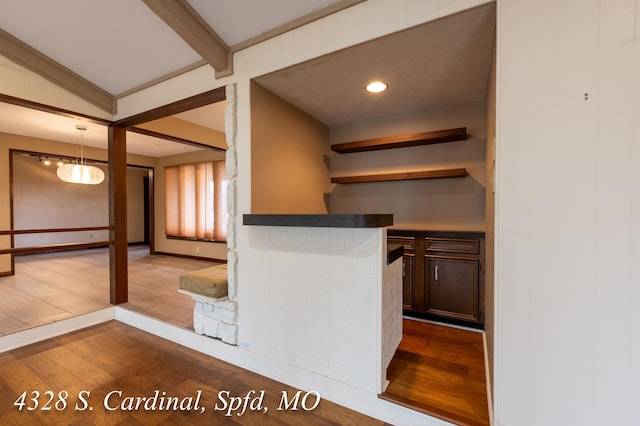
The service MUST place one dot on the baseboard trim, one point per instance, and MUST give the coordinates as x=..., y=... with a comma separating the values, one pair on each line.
x=329, y=389
x=487, y=377
x=188, y=256
x=444, y=324
x=47, y=331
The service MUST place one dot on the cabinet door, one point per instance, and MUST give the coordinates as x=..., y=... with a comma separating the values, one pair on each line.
x=408, y=282
x=452, y=287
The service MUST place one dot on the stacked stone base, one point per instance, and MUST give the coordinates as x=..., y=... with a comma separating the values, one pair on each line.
x=215, y=318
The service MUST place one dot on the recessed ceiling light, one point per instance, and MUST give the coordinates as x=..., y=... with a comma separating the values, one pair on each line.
x=376, y=87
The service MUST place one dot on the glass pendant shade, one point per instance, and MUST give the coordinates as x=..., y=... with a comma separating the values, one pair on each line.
x=80, y=173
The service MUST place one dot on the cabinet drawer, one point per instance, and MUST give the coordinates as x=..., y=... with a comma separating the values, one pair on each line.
x=451, y=245
x=409, y=243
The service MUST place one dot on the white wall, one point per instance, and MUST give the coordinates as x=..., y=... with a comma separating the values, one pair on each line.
x=489, y=304
x=567, y=226
x=316, y=302
x=17, y=81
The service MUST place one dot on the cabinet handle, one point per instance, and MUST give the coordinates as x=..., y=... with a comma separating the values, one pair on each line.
x=436, y=273
x=403, y=269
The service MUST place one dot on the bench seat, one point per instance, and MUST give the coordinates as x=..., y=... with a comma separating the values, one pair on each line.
x=209, y=282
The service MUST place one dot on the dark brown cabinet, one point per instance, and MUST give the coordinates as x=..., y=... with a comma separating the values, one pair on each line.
x=442, y=274
x=452, y=287
x=407, y=281
x=408, y=270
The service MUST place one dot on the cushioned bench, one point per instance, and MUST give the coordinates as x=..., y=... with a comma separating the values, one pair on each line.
x=213, y=313
x=209, y=282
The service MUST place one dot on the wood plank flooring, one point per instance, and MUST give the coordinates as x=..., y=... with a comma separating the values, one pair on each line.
x=440, y=370
x=153, y=286
x=116, y=357
x=437, y=369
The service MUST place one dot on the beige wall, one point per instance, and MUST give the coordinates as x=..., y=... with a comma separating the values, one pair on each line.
x=53, y=196
x=41, y=200
x=289, y=157
x=439, y=204
x=213, y=250
x=183, y=129
x=10, y=141
x=135, y=204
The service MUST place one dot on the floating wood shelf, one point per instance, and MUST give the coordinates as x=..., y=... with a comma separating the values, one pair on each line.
x=424, y=174
x=416, y=139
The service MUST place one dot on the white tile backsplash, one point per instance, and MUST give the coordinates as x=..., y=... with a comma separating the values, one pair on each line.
x=322, y=289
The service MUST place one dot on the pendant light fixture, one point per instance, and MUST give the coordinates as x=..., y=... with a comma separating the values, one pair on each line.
x=80, y=172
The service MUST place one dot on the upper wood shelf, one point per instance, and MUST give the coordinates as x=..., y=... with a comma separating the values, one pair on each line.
x=424, y=174
x=415, y=139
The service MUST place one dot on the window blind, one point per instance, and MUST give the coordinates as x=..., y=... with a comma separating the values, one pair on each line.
x=195, y=204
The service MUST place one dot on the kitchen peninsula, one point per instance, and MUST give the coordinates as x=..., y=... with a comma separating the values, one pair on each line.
x=333, y=277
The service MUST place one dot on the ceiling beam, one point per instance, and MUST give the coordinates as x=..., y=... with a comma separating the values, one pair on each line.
x=12, y=100
x=296, y=23
x=189, y=25
x=28, y=57
x=196, y=101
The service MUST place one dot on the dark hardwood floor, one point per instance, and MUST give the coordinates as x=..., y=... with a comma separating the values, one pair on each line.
x=116, y=357
x=437, y=369
x=440, y=370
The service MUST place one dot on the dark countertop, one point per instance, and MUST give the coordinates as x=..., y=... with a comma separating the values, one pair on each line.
x=434, y=234
x=320, y=220
x=394, y=252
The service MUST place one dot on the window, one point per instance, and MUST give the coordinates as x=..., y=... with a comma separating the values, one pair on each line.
x=195, y=200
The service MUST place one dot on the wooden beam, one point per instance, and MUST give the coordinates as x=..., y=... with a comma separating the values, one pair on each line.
x=53, y=230
x=196, y=101
x=52, y=109
x=185, y=21
x=30, y=58
x=151, y=214
x=173, y=138
x=55, y=247
x=118, y=251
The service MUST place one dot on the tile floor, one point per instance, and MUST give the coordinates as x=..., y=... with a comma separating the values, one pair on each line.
x=54, y=286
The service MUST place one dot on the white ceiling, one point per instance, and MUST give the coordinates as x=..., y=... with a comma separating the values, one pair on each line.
x=240, y=20
x=444, y=62
x=120, y=45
